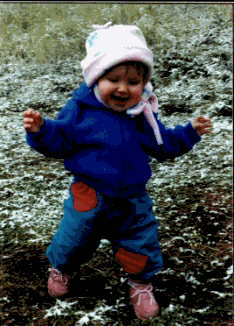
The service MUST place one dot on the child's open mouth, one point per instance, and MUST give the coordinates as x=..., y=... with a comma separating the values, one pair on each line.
x=120, y=99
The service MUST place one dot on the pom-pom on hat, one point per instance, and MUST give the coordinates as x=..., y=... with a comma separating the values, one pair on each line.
x=109, y=46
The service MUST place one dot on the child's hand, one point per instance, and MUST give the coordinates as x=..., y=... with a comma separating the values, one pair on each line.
x=32, y=121
x=201, y=125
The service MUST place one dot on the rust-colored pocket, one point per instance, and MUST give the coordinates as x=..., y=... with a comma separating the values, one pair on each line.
x=131, y=263
x=85, y=197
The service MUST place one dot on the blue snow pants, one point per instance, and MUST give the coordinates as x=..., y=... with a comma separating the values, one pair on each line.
x=130, y=226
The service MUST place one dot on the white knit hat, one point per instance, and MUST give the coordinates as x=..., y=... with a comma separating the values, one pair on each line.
x=108, y=46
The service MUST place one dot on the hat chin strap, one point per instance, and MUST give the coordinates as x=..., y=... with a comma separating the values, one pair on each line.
x=148, y=105
x=96, y=92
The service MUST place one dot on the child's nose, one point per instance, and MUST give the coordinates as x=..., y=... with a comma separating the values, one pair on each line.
x=122, y=87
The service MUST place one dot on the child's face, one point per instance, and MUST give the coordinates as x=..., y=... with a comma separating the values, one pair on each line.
x=121, y=88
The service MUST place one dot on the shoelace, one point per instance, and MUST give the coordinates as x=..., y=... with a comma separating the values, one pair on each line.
x=139, y=292
x=59, y=275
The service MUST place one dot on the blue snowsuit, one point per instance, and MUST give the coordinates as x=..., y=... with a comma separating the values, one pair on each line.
x=109, y=152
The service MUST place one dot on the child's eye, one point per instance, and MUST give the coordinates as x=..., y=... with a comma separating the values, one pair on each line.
x=134, y=82
x=113, y=80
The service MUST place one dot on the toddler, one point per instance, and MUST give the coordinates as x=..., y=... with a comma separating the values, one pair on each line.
x=105, y=134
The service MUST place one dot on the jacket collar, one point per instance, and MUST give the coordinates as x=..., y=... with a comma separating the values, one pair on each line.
x=86, y=95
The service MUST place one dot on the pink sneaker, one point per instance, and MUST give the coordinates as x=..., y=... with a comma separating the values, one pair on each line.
x=57, y=283
x=143, y=300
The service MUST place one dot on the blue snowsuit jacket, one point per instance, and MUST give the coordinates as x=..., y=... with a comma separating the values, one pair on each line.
x=106, y=149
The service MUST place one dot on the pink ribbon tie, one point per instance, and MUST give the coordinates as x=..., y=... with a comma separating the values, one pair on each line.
x=148, y=107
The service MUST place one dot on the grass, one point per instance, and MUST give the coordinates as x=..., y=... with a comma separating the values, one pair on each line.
x=194, y=262
x=40, y=33
x=192, y=194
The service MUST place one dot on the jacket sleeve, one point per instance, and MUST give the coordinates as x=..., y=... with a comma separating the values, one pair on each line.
x=176, y=141
x=55, y=136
